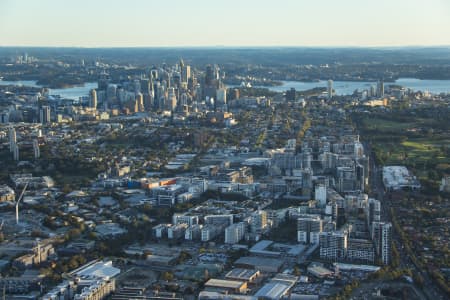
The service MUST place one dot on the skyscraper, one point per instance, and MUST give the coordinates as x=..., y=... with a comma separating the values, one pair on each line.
x=290, y=94
x=140, y=101
x=111, y=93
x=221, y=97
x=16, y=152
x=93, y=99
x=185, y=73
x=380, y=88
x=330, y=89
x=209, y=75
x=171, y=99
x=44, y=115
x=12, y=139
x=37, y=152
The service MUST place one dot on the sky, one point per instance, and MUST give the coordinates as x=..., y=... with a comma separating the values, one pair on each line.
x=233, y=23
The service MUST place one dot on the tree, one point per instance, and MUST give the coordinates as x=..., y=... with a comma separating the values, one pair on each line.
x=167, y=276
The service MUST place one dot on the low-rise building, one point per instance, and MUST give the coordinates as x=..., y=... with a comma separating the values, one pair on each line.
x=263, y=264
x=399, y=177
x=94, y=280
x=177, y=231
x=243, y=274
x=226, y=285
x=7, y=193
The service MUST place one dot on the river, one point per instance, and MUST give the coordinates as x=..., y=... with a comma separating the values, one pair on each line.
x=340, y=87
x=74, y=92
x=348, y=87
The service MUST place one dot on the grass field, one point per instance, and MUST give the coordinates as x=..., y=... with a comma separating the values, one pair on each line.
x=384, y=125
x=422, y=151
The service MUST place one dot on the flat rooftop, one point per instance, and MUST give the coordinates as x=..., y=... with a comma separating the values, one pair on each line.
x=242, y=274
x=100, y=269
x=397, y=177
x=222, y=283
x=272, y=290
x=259, y=261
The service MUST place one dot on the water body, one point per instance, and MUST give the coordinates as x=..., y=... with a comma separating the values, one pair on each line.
x=348, y=87
x=74, y=92
x=340, y=87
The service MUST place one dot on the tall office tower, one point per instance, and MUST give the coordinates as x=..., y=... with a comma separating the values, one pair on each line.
x=234, y=94
x=184, y=99
x=153, y=74
x=209, y=75
x=290, y=94
x=185, y=73
x=4, y=118
x=136, y=86
x=44, y=115
x=140, y=101
x=333, y=245
x=93, y=99
x=12, y=139
x=382, y=238
x=221, y=97
x=380, y=88
x=111, y=93
x=259, y=221
x=37, y=152
x=103, y=81
x=373, y=212
x=372, y=91
x=320, y=194
x=171, y=103
x=151, y=86
x=148, y=102
x=330, y=89
x=216, y=72
x=308, y=229
x=16, y=152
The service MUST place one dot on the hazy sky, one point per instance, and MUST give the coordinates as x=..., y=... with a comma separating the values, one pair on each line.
x=132, y=23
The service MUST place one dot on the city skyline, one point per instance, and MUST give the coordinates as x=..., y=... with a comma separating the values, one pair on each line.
x=203, y=23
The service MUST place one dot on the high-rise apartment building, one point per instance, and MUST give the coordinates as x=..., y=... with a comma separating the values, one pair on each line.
x=308, y=229
x=382, y=238
x=234, y=233
x=333, y=245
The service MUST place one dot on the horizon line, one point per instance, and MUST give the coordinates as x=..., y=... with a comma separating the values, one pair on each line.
x=232, y=46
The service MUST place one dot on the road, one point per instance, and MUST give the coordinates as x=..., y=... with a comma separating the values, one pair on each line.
x=430, y=289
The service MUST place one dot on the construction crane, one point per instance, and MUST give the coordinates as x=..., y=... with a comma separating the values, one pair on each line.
x=17, y=202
